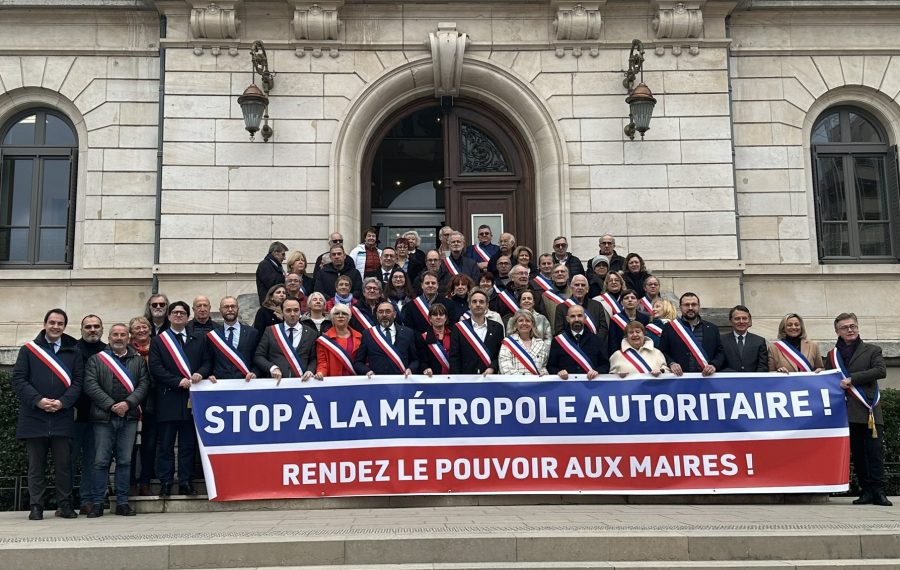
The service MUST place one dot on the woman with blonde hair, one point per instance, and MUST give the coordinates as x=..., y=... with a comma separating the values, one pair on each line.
x=792, y=352
x=522, y=352
x=663, y=312
x=336, y=348
x=636, y=354
x=296, y=263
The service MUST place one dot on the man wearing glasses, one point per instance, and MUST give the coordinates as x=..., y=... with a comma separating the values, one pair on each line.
x=561, y=255
x=155, y=312
x=482, y=251
x=862, y=366
x=83, y=448
x=607, y=245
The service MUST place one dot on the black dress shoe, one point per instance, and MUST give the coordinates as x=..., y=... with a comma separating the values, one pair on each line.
x=187, y=490
x=864, y=499
x=881, y=500
x=86, y=508
x=96, y=511
x=36, y=514
x=66, y=512
x=165, y=490
x=125, y=510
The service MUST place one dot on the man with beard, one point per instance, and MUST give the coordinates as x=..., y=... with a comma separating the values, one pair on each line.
x=594, y=318
x=117, y=381
x=690, y=343
x=475, y=345
x=415, y=313
x=232, y=345
x=83, y=436
x=576, y=350
x=156, y=313
x=455, y=263
x=201, y=323
x=288, y=349
x=47, y=378
x=386, y=348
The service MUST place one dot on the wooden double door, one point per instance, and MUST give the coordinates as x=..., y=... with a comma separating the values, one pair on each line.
x=483, y=173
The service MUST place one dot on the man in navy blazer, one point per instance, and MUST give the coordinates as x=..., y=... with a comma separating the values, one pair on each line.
x=241, y=338
x=269, y=358
x=372, y=359
x=560, y=362
x=706, y=335
x=173, y=385
x=464, y=359
x=744, y=351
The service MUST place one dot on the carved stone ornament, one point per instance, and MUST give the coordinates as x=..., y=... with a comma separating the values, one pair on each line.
x=577, y=21
x=447, y=48
x=678, y=20
x=316, y=21
x=214, y=20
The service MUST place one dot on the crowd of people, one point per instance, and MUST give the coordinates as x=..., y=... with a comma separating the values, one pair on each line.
x=479, y=309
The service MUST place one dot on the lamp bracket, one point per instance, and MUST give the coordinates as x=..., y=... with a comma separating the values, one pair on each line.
x=635, y=65
x=261, y=66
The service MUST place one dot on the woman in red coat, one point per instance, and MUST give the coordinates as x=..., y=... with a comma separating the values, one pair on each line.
x=336, y=343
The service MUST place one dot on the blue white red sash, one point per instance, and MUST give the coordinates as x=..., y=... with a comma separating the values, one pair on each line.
x=363, y=319
x=231, y=354
x=281, y=339
x=572, y=349
x=588, y=320
x=481, y=253
x=555, y=297
x=423, y=306
x=521, y=355
x=337, y=350
x=544, y=283
x=386, y=347
x=119, y=371
x=636, y=360
x=654, y=329
x=437, y=349
x=687, y=337
x=620, y=319
x=610, y=304
x=508, y=301
x=834, y=357
x=468, y=332
x=53, y=363
x=800, y=362
x=450, y=266
x=176, y=351
x=647, y=304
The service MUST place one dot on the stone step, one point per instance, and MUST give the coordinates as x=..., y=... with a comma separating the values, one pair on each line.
x=861, y=564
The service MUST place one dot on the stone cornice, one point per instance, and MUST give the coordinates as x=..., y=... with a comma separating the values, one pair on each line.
x=76, y=4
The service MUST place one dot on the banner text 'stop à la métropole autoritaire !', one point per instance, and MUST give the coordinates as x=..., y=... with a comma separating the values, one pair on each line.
x=728, y=433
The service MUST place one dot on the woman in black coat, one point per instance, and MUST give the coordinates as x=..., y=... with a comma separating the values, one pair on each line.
x=635, y=273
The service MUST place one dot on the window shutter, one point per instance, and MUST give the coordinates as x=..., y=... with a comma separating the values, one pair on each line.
x=818, y=205
x=892, y=187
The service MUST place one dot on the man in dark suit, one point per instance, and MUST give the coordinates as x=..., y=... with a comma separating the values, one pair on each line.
x=269, y=271
x=415, y=313
x=373, y=356
x=705, y=335
x=271, y=359
x=241, y=339
x=482, y=252
x=863, y=364
x=177, y=359
x=593, y=309
x=460, y=264
x=388, y=264
x=744, y=351
x=563, y=362
x=475, y=345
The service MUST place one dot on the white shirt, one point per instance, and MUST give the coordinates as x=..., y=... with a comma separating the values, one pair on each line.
x=298, y=331
x=237, y=333
x=480, y=330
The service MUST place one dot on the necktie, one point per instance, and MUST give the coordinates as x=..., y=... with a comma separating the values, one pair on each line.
x=387, y=334
x=291, y=336
x=577, y=337
x=181, y=338
x=55, y=347
x=740, y=344
x=231, y=337
x=385, y=277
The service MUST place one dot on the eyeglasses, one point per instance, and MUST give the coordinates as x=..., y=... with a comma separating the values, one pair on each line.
x=484, y=233
x=848, y=328
x=91, y=327
x=157, y=305
x=178, y=314
x=607, y=243
x=337, y=241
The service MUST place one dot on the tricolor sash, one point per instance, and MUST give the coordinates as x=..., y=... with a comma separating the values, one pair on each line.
x=647, y=304
x=437, y=349
x=571, y=347
x=636, y=360
x=687, y=337
x=176, y=351
x=544, y=283
x=231, y=354
x=51, y=361
x=337, y=350
x=287, y=350
x=508, y=301
x=838, y=362
x=386, y=347
x=801, y=363
x=119, y=371
x=481, y=253
x=423, y=306
x=555, y=297
x=588, y=320
x=450, y=266
x=521, y=355
x=654, y=329
x=468, y=332
x=360, y=316
x=610, y=304
x=620, y=319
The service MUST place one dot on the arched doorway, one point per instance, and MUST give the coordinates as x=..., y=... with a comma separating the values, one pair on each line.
x=460, y=165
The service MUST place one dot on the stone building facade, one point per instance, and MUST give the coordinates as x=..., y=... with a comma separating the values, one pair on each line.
x=721, y=197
